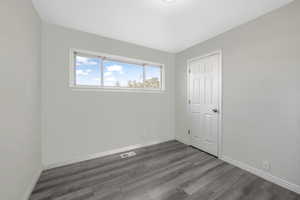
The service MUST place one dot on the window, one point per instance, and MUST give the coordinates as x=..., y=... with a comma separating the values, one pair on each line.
x=87, y=70
x=90, y=70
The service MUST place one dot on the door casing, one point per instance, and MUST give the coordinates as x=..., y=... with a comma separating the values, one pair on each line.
x=220, y=116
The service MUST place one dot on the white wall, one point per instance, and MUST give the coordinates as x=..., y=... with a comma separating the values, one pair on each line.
x=20, y=141
x=80, y=123
x=261, y=86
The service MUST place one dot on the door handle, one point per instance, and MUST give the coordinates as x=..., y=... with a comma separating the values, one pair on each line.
x=215, y=110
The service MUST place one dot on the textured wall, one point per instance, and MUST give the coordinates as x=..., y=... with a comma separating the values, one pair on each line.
x=80, y=123
x=20, y=136
x=261, y=91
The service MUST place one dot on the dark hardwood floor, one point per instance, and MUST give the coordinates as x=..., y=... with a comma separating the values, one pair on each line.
x=167, y=171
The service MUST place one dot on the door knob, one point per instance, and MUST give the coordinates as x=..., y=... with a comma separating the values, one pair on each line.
x=215, y=110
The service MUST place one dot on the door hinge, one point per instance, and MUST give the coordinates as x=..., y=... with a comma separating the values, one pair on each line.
x=189, y=101
x=189, y=132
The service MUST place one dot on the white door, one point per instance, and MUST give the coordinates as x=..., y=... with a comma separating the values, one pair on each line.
x=204, y=102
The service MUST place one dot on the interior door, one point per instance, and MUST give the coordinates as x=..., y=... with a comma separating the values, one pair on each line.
x=204, y=90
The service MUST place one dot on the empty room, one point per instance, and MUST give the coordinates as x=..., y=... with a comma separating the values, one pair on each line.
x=150, y=100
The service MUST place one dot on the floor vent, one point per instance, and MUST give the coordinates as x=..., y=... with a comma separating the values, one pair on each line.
x=128, y=154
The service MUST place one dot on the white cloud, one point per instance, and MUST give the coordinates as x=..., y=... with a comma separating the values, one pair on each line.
x=85, y=61
x=115, y=68
x=112, y=79
x=80, y=72
x=97, y=79
x=107, y=73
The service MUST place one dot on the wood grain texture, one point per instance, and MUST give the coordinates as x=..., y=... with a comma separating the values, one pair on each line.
x=167, y=171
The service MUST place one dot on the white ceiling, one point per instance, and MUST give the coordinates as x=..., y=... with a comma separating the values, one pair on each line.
x=153, y=23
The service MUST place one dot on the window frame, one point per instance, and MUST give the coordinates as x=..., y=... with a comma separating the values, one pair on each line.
x=104, y=56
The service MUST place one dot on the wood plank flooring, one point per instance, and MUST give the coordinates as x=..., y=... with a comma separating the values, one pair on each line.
x=167, y=171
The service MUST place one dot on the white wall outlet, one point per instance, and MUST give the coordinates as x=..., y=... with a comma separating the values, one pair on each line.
x=128, y=154
x=266, y=165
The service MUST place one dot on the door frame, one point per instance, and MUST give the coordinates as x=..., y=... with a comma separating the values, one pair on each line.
x=220, y=124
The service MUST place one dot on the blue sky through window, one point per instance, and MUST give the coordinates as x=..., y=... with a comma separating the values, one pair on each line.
x=88, y=71
x=119, y=74
x=153, y=72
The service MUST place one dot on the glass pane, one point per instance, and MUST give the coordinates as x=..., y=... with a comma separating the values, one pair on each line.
x=88, y=71
x=119, y=74
x=153, y=77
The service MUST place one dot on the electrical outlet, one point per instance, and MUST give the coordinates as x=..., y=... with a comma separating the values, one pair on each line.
x=266, y=165
x=128, y=154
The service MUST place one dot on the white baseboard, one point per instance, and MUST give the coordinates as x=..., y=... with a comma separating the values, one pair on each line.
x=265, y=175
x=182, y=140
x=102, y=154
x=32, y=184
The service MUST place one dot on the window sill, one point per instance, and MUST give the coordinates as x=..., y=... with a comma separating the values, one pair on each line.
x=119, y=90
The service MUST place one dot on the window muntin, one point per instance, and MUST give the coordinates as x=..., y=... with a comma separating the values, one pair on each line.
x=89, y=70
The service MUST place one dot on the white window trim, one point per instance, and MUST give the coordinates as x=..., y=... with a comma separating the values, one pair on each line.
x=75, y=87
